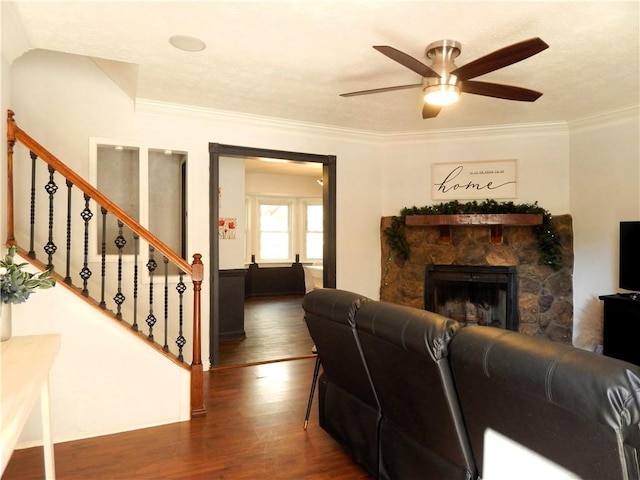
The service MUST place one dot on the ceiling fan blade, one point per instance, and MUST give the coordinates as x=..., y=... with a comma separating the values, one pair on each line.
x=381, y=90
x=500, y=58
x=508, y=92
x=407, y=61
x=430, y=111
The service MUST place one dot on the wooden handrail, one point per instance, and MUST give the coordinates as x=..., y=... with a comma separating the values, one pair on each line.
x=16, y=133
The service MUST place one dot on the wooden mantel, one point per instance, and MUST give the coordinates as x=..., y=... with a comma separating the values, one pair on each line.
x=495, y=220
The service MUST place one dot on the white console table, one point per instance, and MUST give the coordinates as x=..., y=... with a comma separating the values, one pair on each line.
x=26, y=362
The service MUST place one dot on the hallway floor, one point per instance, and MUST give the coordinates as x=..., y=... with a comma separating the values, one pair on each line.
x=275, y=331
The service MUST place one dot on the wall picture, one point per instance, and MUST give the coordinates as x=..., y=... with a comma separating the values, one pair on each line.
x=227, y=228
x=474, y=180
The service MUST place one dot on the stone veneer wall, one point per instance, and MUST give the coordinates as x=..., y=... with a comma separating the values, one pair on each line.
x=545, y=295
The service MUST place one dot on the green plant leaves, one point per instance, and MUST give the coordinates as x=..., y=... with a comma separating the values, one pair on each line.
x=16, y=284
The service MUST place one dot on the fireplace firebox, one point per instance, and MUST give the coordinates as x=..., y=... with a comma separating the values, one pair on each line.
x=482, y=295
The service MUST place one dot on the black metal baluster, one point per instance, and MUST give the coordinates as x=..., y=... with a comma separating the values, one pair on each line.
x=136, y=245
x=103, y=254
x=180, y=341
x=32, y=217
x=120, y=242
x=151, y=319
x=165, y=347
x=67, y=278
x=51, y=188
x=85, y=273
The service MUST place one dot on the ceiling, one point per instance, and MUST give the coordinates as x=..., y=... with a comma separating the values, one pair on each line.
x=291, y=59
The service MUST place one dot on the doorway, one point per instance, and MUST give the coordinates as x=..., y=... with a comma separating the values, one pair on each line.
x=328, y=163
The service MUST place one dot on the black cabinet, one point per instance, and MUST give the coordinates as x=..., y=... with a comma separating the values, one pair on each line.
x=621, y=328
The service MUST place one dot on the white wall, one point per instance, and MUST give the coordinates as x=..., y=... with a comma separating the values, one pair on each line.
x=542, y=154
x=232, y=206
x=4, y=96
x=283, y=185
x=104, y=380
x=605, y=189
x=5, y=93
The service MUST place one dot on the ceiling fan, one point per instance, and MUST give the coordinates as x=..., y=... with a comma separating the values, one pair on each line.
x=443, y=81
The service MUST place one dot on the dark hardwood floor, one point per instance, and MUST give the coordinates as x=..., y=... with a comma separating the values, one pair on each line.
x=275, y=331
x=253, y=430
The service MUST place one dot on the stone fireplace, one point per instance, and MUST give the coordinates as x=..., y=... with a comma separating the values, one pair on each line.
x=540, y=297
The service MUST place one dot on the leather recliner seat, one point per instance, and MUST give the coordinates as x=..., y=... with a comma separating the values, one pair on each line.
x=422, y=434
x=348, y=405
x=577, y=409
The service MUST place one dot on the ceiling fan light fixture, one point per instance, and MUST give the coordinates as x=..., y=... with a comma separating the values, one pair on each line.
x=441, y=95
x=443, y=81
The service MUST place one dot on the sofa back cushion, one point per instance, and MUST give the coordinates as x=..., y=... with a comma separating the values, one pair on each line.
x=576, y=408
x=348, y=407
x=421, y=434
x=330, y=317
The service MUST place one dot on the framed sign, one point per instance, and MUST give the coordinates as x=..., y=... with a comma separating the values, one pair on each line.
x=474, y=180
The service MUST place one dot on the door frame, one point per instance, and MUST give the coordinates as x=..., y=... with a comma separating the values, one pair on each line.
x=217, y=150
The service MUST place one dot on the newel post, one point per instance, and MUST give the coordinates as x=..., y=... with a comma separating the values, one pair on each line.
x=11, y=140
x=197, y=390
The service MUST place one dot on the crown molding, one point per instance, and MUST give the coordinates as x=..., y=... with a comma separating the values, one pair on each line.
x=520, y=130
x=229, y=118
x=622, y=115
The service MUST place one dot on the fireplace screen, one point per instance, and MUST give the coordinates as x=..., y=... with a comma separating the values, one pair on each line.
x=473, y=294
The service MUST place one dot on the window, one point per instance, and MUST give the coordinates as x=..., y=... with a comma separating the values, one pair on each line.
x=275, y=232
x=279, y=228
x=313, y=231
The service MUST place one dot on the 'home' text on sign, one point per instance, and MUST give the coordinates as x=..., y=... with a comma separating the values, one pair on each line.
x=474, y=180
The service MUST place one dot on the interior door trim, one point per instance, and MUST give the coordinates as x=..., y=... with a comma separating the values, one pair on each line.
x=216, y=150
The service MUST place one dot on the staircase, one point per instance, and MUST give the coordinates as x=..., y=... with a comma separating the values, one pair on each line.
x=61, y=226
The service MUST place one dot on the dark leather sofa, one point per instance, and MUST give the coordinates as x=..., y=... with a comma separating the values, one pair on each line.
x=411, y=394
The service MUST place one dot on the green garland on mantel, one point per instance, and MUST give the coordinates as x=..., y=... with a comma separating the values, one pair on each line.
x=549, y=243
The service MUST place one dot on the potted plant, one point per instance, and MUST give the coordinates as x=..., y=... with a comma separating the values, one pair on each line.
x=16, y=285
